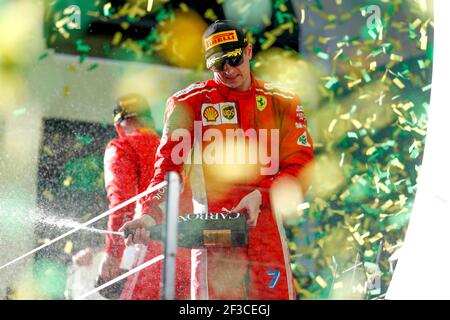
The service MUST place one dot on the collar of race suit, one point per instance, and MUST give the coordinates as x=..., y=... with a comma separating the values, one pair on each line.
x=235, y=94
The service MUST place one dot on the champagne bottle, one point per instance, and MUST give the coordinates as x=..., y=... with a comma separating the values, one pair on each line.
x=206, y=230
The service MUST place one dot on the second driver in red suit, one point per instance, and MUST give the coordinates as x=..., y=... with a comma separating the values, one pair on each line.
x=234, y=107
x=128, y=169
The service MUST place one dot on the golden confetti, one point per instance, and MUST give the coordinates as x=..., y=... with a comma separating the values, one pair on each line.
x=117, y=38
x=68, y=181
x=321, y=282
x=358, y=238
x=332, y=124
x=375, y=238
x=399, y=83
x=66, y=90
x=124, y=25
x=397, y=58
x=47, y=150
x=64, y=33
x=149, y=5
x=68, y=247
x=210, y=14
x=387, y=205
x=338, y=285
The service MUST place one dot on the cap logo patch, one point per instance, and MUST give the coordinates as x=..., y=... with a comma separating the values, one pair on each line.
x=220, y=38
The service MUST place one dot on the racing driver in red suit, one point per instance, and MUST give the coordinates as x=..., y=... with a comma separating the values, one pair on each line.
x=128, y=168
x=232, y=103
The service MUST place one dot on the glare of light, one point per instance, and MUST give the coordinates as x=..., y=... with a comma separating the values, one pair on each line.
x=370, y=111
x=18, y=42
x=286, y=195
x=50, y=278
x=144, y=82
x=19, y=46
x=286, y=69
x=254, y=15
x=425, y=7
x=182, y=39
x=328, y=176
x=232, y=162
x=12, y=91
x=14, y=220
x=25, y=288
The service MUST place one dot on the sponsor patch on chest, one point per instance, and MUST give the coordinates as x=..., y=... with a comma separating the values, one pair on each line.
x=219, y=113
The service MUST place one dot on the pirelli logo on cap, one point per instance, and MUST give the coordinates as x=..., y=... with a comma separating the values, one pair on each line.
x=220, y=38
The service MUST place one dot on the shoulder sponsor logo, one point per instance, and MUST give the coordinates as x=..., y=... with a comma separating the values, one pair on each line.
x=228, y=110
x=261, y=102
x=190, y=88
x=300, y=119
x=220, y=38
x=303, y=140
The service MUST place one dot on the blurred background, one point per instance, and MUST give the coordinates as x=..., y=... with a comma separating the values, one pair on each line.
x=363, y=71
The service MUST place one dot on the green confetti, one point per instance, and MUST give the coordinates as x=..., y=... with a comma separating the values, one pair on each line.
x=421, y=64
x=426, y=88
x=19, y=112
x=352, y=135
x=331, y=82
x=81, y=47
x=43, y=56
x=86, y=140
x=92, y=67
x=366, y=76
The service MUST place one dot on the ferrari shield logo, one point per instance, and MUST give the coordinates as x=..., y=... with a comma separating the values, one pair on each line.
x=261, y=102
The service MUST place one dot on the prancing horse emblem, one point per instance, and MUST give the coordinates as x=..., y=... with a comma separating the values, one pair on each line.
x=261, y=102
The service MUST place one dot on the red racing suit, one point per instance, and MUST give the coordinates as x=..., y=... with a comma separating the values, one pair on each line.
x=128, y=169
x=197, y=119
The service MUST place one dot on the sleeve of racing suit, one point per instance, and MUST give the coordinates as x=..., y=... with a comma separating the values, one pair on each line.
x=121, y=184
x=173, y=150
x=296, y=149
